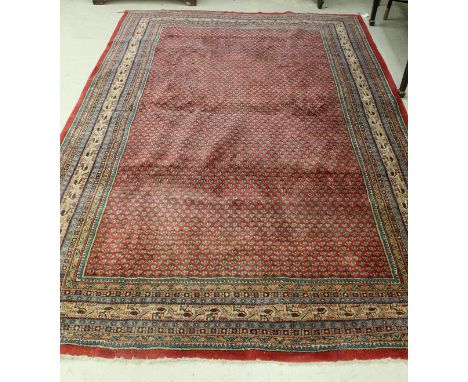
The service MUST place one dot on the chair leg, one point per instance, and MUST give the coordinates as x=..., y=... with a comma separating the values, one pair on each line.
x=319, y=4
x=404, y=83
x=375, y=5
x=389, y=5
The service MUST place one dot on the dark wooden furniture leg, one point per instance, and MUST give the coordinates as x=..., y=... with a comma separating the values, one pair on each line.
x=375, y=5
x=389, y=5
x=404, y=83
x=191, y=2
x=99, y=2
x=319, y=4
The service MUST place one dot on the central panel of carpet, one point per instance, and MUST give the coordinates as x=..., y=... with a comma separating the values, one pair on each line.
x=239, y=164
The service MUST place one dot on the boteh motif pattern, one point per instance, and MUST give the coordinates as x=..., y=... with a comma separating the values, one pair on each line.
x=236, y=182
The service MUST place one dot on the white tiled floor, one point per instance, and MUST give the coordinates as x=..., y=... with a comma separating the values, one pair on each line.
x=85, y=31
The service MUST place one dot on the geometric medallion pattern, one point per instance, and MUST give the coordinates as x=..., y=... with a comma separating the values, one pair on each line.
x=235, y=186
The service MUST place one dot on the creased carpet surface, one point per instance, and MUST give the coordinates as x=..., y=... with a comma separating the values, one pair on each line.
x=235, y=186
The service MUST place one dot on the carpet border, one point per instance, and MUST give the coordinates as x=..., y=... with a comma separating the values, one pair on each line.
x=75, y=110
x=386, y=71
x=241, y=355
x=236, y=355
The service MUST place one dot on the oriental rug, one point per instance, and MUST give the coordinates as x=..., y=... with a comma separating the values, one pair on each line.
x=235, y=186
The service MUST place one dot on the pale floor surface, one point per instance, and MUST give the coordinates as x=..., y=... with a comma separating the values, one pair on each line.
x=85, y=31
x=82, y=369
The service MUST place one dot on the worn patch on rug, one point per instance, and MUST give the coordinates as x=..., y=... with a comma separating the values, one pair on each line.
x=235, y=186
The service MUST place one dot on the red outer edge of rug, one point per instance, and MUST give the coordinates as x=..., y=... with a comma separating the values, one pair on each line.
x=90, y=79
x=245, y=355
x=384, y=67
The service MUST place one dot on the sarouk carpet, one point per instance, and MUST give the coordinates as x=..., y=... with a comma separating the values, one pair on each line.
x=234, y=186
